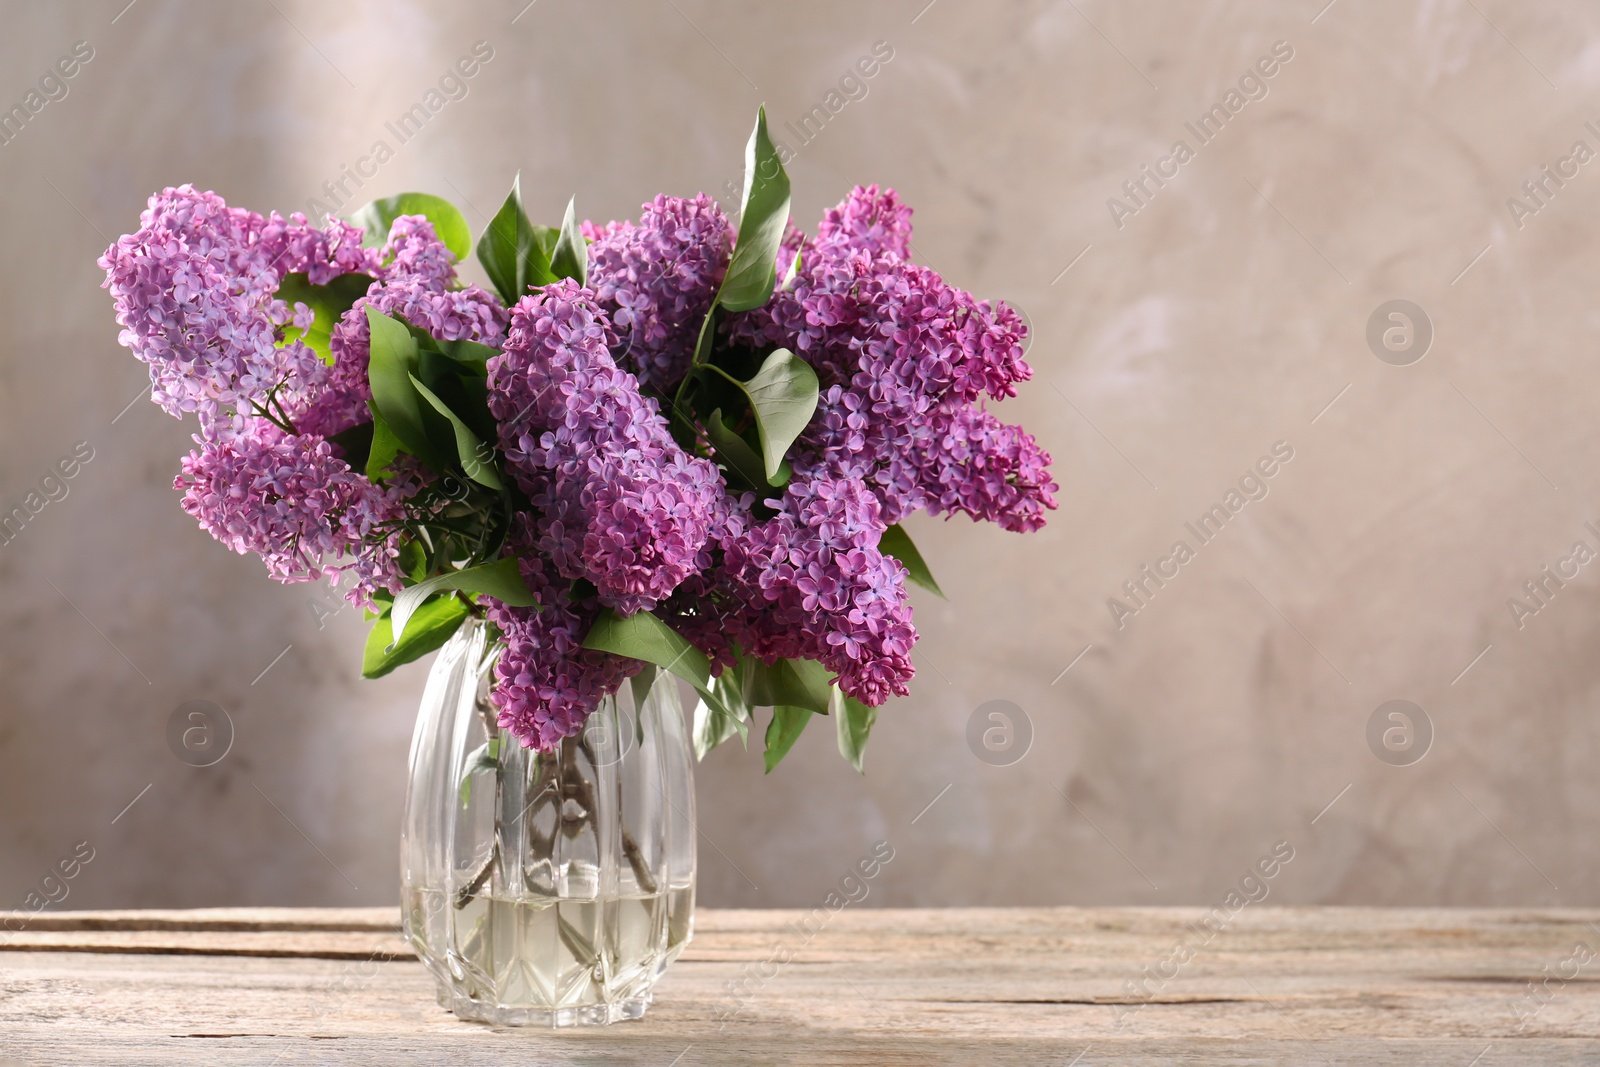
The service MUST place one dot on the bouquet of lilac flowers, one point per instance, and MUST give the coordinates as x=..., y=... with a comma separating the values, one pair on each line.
x=671, y=443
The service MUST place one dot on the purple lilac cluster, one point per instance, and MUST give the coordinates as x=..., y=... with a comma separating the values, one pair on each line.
x=291, y=501
x=546, y=682
x=657, y=279
x=619, y=504
x=195, y=292
x=906, y=361
x=811, y=583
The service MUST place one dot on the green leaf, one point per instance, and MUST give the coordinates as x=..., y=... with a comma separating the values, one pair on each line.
x=783, y=731
x=385, y=446
x=764, y=212
x=734, y=452
x=801, y=683
x=641, y=684
x=477, y=459
x=501, y=579
x=708, y=334
x=486, y=757
x=897, y=543
x=515, y=252
x=429, y=628
x=470, y=354
x=571, y=257
x=854, y=722
x=794, y=270
x=716, y=721
x=329, y=303
x=644, y=636
x=712, y=726
x=727, y=689
x=413, y=562
x=449, y=225
x=393, y=362
x=783, y=396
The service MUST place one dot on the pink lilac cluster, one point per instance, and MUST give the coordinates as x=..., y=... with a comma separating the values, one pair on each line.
x=905, y=361
x=657, y=279
x=291, y=501
x=195, y=292
x=621, y=505
x=546, y=682
x=811, y=583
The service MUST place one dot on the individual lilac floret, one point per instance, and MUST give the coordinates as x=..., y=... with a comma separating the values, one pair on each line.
x=547, y=683
x=813, y=583
x=415, y=286
x=657, y=280
x=621, y=504
x=295, y=504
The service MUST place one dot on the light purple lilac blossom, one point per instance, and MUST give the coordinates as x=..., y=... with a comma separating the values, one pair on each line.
x=546, y=682
x=621, y=505
x=194, y=292
x=657, y=279
x=812, y=584
x=295, y=504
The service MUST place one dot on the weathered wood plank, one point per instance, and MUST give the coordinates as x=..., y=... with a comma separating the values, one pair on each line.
x=1001, y=986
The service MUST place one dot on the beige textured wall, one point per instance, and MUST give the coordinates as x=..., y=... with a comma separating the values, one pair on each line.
x=1220, y=318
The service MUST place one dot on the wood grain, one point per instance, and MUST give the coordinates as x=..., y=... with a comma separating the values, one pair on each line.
x=949, y=986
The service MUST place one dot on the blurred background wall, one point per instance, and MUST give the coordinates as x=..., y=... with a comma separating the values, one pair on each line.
x=1183, y=331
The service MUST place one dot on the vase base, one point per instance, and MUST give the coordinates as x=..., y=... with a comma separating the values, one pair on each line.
x=464, y=1007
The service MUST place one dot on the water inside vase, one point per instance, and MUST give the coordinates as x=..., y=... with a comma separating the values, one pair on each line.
x=548, y=954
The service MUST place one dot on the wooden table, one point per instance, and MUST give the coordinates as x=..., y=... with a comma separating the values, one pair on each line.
x=1038, y=986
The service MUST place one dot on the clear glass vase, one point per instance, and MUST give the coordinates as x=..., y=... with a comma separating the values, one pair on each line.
x=546, y=889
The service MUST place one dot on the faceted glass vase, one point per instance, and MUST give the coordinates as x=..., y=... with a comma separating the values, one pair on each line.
x=546, y=889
